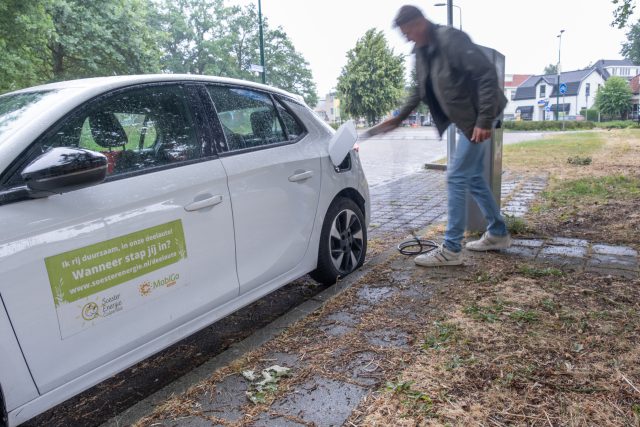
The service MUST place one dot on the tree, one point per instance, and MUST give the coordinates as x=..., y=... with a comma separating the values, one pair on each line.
x=372, y=81
x=614, y=98
x=631, y=48
x=63, y=39
x=285, y=67
x=551, y=69
x=622, y=12
x=99, y=38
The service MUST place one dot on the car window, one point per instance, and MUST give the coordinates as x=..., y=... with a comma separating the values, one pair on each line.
x=137, y=129
x=248, y=117
x=19, y=108
x=292, y=126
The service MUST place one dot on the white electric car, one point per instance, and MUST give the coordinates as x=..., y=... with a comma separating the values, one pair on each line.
x=137, y=210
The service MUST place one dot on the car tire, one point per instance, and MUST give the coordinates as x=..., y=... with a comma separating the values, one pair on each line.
x=343, y=233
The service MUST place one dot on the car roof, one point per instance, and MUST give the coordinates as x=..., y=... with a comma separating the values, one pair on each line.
x=99, y=84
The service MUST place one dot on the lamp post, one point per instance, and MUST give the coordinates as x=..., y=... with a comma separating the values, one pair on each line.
x=459, y=11
x=264, y=71
x=558, y=70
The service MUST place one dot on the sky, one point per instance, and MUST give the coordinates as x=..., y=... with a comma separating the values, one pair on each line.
x=524, y=31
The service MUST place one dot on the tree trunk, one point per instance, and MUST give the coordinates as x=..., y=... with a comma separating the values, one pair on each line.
x=57, y=58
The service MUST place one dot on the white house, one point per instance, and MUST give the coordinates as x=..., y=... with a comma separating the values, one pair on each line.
x=511, y=83
x=618, y=67
x=536, y=98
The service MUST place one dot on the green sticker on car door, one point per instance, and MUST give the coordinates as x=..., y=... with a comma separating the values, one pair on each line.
x=99, y=280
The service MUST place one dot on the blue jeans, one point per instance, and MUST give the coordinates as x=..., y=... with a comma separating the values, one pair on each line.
x=465, y=172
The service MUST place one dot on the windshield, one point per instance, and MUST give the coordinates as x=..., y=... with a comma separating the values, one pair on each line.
x=16, y=106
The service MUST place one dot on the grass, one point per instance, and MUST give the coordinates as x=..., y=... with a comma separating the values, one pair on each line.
x=444, y=334
x=593, y=189
x=538, y=272
x=543, y=154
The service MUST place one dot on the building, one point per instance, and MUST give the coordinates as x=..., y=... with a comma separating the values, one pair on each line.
x=536, y=98
x=618, y=67
x=511, y=83
x=329, y=108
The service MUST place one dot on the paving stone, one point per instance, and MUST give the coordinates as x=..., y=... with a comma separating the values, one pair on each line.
x=279, y=358
x=268, y=420
x=575, y=263
x=564, y=241
x=374, y=295
x=365, y=368
x=522, y=251
x=388, y=338
x=628, y=274
x=343, y=317
x=191, y=421
x=564, y=251
x=335, y=329
x=529, y=243
x=614, y=250
x=613, y=261
x=227, y=399
x=322, y=401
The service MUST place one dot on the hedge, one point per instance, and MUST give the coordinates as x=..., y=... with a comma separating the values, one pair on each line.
x=548, y=125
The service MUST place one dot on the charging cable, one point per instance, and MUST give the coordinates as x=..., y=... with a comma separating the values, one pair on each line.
x=416, y=246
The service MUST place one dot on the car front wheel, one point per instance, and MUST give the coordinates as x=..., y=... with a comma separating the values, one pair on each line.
x=343, y=242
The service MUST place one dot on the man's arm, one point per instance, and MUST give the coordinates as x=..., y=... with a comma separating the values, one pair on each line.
x=388, y=125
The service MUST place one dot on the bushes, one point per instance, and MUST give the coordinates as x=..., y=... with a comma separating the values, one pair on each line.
x=569, y=125
x=548, y=125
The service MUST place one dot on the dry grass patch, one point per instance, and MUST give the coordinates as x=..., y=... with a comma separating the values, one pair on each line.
x=543, y=350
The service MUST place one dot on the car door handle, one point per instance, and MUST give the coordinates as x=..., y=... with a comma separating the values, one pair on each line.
x=205, y=203
x=297, y=177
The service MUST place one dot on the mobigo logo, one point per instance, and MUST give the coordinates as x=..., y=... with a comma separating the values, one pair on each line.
x=90, y=311
x=167, y=281
x=145, y=288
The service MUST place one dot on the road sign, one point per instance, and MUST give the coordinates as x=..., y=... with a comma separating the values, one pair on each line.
x=563, y=88
x=256, y=68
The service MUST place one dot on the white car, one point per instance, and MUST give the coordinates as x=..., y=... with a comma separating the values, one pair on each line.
x=137, y=210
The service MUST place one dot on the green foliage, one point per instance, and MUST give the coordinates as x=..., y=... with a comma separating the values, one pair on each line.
x=548, y=125
x=537, y=272
x=594, y=188
x=64, y=39
x=579, y=160
x=515, y=225
x=619, y=124
x=614, y=98
x=590, y=115
x=486, y=313
x=631, y=47
x=551, y=69
x=444, y=334
x=372, y=82
x=622, y=12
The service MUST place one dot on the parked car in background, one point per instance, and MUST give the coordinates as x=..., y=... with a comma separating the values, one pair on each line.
x=137, y=210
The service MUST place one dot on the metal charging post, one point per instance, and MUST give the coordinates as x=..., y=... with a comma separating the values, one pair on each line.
x=492, y=160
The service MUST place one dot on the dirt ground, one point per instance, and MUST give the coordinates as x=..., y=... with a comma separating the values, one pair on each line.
x=514, y=344
x=604, y=219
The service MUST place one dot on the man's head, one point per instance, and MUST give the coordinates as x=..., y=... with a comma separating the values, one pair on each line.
x=412, y=24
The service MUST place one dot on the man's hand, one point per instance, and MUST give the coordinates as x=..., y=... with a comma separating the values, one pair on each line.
x=480, y=135
x=384, y=127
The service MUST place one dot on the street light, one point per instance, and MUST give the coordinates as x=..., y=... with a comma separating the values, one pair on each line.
x=558, y=71
x=459, y=10
x=264, y=71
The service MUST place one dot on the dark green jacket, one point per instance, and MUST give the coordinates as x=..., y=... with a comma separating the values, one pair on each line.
x=464, y=83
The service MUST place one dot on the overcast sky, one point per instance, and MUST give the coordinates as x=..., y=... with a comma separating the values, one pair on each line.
x=524, y=31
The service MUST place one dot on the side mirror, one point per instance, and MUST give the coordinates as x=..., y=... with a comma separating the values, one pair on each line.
x=64, y=169
x=342, y=142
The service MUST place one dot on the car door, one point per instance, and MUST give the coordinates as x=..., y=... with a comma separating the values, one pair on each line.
x=274, y=177
x=92, y=274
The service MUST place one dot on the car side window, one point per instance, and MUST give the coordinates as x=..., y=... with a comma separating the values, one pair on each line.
x=292, y=126
x=248, y=118
x=136, y=129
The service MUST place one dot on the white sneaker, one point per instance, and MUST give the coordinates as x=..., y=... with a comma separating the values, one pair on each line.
x=489, y=242
x=440, y=256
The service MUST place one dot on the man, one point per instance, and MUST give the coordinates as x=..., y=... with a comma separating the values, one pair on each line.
x=460, y=85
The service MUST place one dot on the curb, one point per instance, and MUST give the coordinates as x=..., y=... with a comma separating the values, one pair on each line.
x=146, y=406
